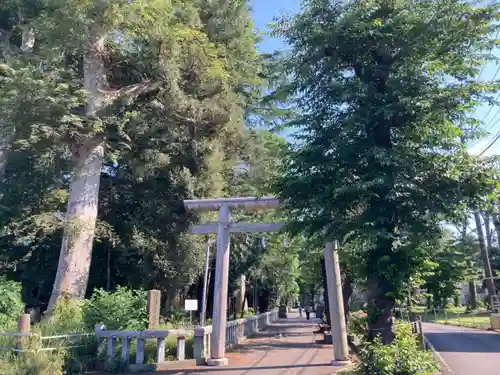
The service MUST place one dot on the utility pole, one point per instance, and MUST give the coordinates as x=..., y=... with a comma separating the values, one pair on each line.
x=485, y=255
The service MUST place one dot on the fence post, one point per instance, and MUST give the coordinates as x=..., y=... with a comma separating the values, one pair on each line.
x=23, y=326
x=153, y=308
x=181, y=346
x=100, y=343
x=421, y=333
x=199, y=346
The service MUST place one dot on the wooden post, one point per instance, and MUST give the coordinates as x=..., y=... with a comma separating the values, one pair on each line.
x=153, y=307
x=421, y=333
x=24, y=327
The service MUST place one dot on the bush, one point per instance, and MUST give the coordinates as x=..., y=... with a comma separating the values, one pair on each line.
x=66, y=317
x=33, y=363
x=123, y=309
x=403, y=357
x=11, y=304
x=358, y=324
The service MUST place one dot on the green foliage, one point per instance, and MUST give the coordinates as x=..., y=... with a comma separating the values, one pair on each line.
x=402, y=357
x=177, y=141
x=11, y=304
x=452, y=261
x=31, y=363
x=66, y=317
x=386, y=89
x=118, y=310
x=358, y=324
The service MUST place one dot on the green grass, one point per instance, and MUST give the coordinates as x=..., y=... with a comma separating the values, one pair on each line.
x=456, y=316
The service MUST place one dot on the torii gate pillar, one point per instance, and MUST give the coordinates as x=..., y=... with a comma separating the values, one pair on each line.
x=221, y=285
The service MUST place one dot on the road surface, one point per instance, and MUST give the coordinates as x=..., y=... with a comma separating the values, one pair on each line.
x=466, y=351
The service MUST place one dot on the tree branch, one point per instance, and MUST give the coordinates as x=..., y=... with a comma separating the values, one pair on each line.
x=127, y=93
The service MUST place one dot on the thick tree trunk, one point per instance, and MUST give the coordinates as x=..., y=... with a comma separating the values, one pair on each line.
x=81, y=215
x=76, y=250
x=485, y=255
x=380, y=312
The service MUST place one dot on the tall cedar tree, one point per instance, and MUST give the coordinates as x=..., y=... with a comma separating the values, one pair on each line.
x=154, y=91
x=385, y=89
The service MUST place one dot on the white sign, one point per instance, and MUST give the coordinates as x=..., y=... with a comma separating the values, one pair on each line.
x=191, y=305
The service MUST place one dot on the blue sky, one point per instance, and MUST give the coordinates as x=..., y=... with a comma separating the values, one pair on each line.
x=265, y=10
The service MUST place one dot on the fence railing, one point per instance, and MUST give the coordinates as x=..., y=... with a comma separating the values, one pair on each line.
x=117, y=345
x=472, y=319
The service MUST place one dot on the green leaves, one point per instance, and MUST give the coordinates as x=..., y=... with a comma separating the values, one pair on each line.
x=385, y=102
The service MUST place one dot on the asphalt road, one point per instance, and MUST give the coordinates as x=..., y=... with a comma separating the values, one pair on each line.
x=466, y=351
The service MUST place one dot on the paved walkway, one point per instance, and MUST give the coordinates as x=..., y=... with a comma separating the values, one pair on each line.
x=295, y=353
x=466, y=351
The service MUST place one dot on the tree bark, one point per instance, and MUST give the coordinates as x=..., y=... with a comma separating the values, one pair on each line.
x=325, y=292
x=380, y=312
x=472, y=295
x=485, y=255
x=496, y=224
x=347, y=289
x=81, y=214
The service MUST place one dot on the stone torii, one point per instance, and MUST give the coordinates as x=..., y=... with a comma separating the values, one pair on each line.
x=223, y=227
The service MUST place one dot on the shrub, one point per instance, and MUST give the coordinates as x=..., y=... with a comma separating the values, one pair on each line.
x=118, y=310
x=176, y=317
x=403, y=357
x=66, y=317
x=11, y=304
x=358, y=324
x=33, y=363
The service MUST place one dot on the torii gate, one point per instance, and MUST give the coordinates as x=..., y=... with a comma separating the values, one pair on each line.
x=223, y=227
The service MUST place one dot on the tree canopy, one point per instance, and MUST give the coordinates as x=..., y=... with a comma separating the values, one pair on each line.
x=386, y=89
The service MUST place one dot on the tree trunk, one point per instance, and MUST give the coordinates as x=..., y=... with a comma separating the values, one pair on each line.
x=81, y=215
x=325, y=292
x=496, y=224
x=485, y=256
x=347, y=290
x=76, y=250
x=380, y=312
x=487, y=228
x=472, y=295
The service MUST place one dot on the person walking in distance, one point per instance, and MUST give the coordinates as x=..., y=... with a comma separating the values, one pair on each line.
x=300, y=311
x=308, y=312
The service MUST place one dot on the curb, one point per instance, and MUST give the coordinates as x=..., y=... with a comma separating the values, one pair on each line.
x=438, y=356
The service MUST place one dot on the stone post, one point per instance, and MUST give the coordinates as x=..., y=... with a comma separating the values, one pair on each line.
x=218, y=350
x=336, y=304
x=153, y=308
x=24, y=327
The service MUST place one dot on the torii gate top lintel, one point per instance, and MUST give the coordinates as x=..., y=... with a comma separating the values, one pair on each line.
x=253, y=203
